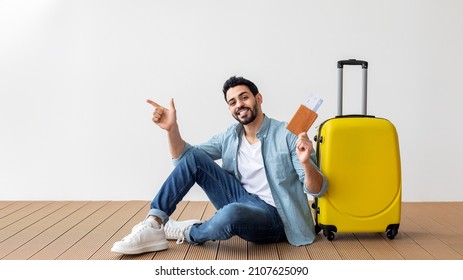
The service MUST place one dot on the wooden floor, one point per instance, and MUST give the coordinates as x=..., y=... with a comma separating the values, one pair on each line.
x=82, y=230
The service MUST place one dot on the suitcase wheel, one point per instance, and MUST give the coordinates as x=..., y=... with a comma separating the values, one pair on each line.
x=391, y=233
x=392, y=230
x=328, y=234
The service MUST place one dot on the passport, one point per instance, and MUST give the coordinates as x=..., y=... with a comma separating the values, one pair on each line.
x=305, y=115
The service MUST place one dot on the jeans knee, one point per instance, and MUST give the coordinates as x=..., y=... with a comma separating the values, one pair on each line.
x=233, y=213
x=195, y=155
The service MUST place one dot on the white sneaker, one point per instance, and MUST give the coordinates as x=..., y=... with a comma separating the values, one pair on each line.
x=175, y=230
x=147, y=236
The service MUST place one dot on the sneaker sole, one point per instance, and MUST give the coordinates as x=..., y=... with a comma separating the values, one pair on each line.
x=152, y=247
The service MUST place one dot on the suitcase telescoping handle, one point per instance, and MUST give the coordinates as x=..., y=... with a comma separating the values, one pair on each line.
x=364, y=65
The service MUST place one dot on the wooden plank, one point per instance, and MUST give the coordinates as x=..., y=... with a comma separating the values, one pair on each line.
x=322, y=249
x=10, y=208
x=91, y=242
x=209, y=212
x=206, y=251
x=53, y=234
x=234, y=248
x=446, y=224
x=444, y=228
x=47, y=237
x=73, y=235
x=174, y=252
x=447, y=216
x=194, y=210
x=458, y=206
x=36, y=237
x=140, y=257
x=45, y=218
x=12, y=222
x=407, y=247
x=34, y=213
x=4, y=204
x=428, y=241
x=349, y=247
x=428, y=230
x=287, y=251
x=262, y=251
x=378, y=247
x=178, y=211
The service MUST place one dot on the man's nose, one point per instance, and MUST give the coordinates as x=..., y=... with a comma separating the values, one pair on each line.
x=239, y=103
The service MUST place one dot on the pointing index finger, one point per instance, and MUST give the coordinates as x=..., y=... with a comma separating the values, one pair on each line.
x=154, y=104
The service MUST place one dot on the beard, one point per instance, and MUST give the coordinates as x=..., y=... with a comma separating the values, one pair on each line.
x=249, y=119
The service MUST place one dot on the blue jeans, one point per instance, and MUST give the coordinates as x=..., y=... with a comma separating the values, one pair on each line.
x=239, y=212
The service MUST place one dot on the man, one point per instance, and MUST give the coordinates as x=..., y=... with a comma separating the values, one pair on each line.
x=260, y=190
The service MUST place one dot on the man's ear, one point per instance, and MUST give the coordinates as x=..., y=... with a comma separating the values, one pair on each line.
x=259, y=98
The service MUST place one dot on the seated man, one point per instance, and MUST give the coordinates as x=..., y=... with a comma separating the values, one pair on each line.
x=259, y=192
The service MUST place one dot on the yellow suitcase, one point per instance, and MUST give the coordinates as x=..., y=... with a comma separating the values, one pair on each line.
x=360, y=157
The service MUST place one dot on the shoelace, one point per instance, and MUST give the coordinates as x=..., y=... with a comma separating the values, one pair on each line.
x=135, y=230
x=177, y=232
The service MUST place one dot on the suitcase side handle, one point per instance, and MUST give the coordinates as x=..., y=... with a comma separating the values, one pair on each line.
x=364, y=65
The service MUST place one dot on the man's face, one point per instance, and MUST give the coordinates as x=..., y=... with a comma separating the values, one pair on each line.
x=243, y=106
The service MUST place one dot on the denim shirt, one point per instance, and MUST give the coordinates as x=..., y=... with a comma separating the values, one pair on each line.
x=285, y=173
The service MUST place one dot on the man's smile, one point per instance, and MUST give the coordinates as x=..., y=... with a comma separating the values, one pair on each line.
x=242, y=111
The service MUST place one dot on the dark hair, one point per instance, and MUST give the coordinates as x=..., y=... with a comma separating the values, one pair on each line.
x=239, y=81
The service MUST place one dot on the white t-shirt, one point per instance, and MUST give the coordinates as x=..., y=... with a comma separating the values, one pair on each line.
x=251, y=168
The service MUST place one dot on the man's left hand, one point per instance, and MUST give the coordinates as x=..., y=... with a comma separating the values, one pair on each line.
x=304, y=148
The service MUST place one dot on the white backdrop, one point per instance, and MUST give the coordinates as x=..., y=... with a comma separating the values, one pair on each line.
x=74, y=77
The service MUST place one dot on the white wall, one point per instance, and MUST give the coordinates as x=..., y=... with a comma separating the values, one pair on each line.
x=74, y=77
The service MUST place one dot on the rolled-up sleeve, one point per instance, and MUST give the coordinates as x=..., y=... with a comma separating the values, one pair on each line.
x=313, y=159
x=322, y=190
x=213, y=148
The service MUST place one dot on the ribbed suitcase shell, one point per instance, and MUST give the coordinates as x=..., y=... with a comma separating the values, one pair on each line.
x=360, y=157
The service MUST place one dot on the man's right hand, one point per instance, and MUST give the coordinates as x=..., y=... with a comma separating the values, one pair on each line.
x=163, y=117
